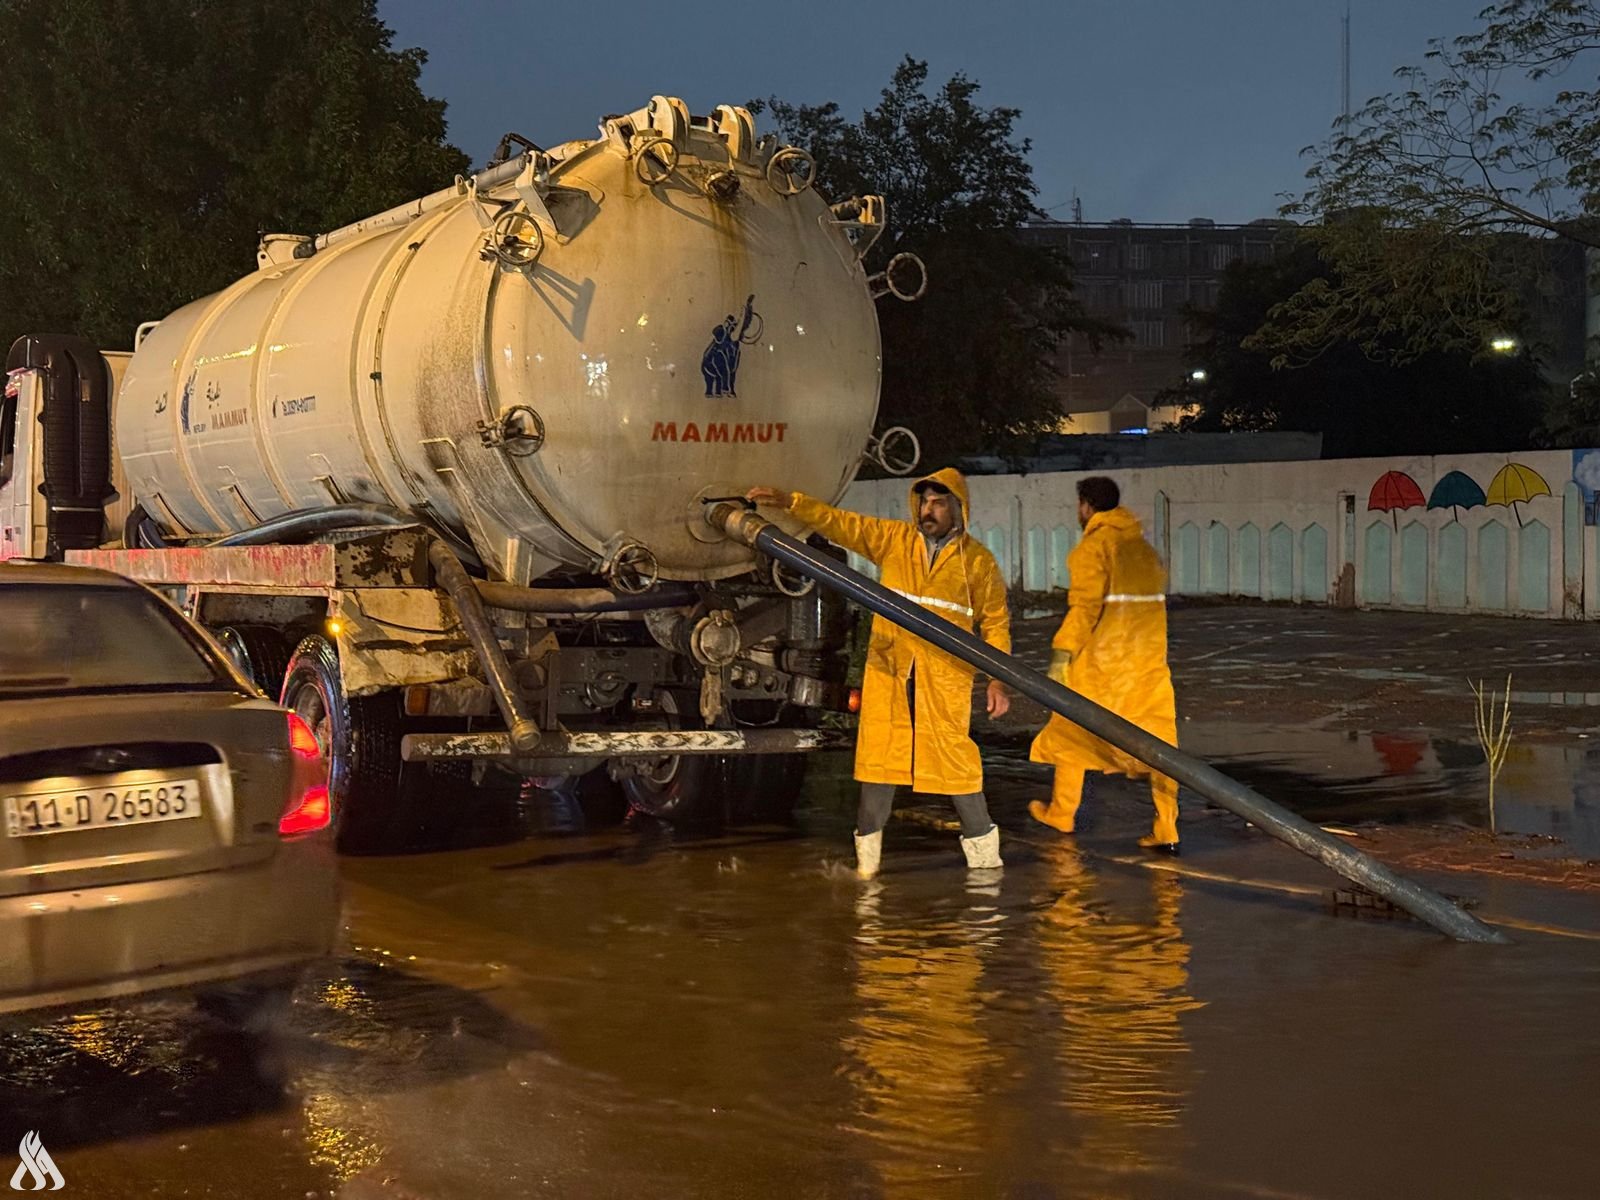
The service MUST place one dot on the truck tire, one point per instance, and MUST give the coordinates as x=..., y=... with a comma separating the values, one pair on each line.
x=685, y=789
x=262, y=652
x=360, y=738
x=709, y=790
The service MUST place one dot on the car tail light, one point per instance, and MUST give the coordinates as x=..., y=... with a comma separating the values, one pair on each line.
x=302, y=741
x=309, y=808
x=312, y=813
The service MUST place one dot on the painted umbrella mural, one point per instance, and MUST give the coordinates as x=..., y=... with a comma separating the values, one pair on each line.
x=1516, y=484
x=1393, y=491
x=1456, y=491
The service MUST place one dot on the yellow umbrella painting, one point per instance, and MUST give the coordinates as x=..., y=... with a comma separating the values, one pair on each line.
x=1516, y=484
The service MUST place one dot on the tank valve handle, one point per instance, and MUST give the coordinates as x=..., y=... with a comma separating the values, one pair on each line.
x=519, y=432
x=791, y=171
x=632, y=568
x=655, y=161
x=515, y=240
x=790, y=582
x=883, y=283
x=885, y=450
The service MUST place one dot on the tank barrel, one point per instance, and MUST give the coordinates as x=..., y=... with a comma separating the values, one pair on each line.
x=755, y=531
x=518, y=361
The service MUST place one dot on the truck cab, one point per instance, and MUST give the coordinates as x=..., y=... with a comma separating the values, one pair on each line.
x=60, y=483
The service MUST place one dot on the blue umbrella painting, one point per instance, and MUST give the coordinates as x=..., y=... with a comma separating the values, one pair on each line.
x=1457, y=490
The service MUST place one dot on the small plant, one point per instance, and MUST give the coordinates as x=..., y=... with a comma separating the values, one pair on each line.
x=1494, y=735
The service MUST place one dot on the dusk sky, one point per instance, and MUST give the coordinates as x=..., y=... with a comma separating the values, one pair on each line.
x=1158, y=110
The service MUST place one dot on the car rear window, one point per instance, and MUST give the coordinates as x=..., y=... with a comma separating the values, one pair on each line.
x=56, y=640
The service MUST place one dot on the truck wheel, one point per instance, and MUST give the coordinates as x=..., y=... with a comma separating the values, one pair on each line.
x=685, y=789
x=359, y=738
x=261, y=652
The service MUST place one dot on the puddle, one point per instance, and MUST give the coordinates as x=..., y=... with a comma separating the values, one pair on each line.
x=1393, y=777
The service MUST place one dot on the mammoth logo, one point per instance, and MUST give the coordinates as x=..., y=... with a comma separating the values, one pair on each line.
x=37, y=1165
x=720, y=363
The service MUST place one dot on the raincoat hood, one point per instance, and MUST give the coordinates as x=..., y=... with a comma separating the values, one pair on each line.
x=946, y=477
x=1118, y=520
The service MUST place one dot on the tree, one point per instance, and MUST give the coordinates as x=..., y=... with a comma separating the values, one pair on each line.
x=1436, y=401
x=1410, y=201
x=146, y=144
x=971, y=365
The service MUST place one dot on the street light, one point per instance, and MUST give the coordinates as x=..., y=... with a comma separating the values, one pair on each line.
x=1503, y=344
x=1198, y=375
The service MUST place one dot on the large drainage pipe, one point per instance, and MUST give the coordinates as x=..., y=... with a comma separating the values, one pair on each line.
x=753, y=530
x=450, y=575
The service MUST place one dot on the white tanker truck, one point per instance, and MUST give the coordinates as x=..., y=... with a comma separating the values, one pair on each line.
x=438, y=479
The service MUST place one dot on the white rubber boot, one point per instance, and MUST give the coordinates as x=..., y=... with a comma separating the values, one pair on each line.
x=869, y=850
x=983, y=853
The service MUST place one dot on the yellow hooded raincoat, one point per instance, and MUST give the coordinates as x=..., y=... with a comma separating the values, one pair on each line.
x=934, y=753
x=1116, y=632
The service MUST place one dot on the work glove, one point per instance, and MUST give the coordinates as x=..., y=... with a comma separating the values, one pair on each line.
x=1060, y=661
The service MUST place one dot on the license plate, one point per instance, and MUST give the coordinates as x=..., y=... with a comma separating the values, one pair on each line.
x=35, y=813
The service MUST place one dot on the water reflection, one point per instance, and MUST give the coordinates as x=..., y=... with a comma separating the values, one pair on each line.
x=1027, y=1035
x=1332, y=775
x=1120, y=987
x=915, y=1047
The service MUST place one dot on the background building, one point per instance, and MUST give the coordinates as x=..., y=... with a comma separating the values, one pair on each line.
x=1142, y=277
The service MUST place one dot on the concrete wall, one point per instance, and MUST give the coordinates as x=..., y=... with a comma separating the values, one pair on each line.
x=1354, y=531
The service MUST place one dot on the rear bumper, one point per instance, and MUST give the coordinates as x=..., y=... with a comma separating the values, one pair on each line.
x=636, y=743
x=95, y=944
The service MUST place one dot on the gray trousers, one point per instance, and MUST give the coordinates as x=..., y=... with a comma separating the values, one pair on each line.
x=878, y=798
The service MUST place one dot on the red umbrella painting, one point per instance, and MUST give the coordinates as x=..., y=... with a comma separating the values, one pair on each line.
x=1393, y=491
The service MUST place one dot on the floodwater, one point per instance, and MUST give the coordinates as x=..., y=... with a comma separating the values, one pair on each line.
x=631, y=1012
x=1548, y=789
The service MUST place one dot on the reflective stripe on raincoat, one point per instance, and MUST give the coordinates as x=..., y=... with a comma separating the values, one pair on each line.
x=934, y=753
x=1116, y=632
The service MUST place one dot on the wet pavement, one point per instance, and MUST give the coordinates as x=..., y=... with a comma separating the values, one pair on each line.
x=631, y=1011
x=1352, y=716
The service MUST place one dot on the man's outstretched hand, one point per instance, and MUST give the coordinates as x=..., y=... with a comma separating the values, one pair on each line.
x=999, y=700
x=771, y=497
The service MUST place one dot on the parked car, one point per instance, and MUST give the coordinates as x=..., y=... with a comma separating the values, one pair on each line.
x=165, y=825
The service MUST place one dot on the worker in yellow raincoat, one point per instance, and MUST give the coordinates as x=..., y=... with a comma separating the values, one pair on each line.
x=1112, y=649
x=916, y=700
